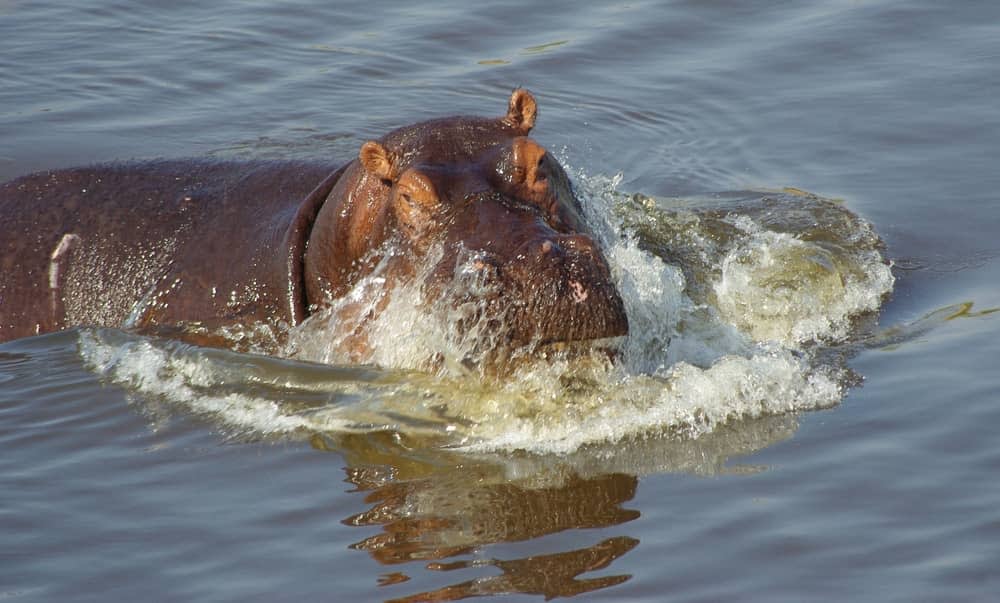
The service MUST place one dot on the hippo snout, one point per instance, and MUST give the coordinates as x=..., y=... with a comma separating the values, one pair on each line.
x=555, y=288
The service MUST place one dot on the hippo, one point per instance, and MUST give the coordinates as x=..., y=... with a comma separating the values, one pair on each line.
x=191, y=248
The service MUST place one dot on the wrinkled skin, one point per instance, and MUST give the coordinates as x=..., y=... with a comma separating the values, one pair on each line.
x=191, y=249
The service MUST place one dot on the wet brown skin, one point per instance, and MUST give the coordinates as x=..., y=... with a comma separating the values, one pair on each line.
x=162, y=247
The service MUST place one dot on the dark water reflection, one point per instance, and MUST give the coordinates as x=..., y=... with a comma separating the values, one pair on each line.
x=432, y=520
x=439, y=511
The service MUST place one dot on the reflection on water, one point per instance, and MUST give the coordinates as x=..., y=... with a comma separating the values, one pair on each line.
x=548, y=575
x=441, y=519
x=437, y=511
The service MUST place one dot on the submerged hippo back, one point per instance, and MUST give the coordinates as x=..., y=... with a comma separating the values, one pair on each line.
x=148, y=245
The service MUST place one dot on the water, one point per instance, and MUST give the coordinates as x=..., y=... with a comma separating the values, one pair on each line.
x=777, y=430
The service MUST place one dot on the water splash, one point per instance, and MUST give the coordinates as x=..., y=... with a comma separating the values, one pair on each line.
x=731, y=301
x=777, y=286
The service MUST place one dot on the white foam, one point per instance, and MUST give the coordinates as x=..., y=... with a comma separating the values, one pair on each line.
x=688, y=402
x=777, y=287
x=155, y=371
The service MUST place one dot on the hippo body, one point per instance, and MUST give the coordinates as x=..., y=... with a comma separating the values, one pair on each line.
x=154, y=245
x=189, y=248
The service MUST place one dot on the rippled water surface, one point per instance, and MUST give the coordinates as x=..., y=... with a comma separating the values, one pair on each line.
x=806, y=406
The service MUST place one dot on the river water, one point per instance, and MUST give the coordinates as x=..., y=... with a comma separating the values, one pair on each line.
x=800, y=205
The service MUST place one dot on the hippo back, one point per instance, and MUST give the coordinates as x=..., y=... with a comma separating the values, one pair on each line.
x=143, y=245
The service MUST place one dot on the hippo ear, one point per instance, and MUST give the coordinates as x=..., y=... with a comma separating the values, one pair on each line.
x=378, y=161
x=522, y=110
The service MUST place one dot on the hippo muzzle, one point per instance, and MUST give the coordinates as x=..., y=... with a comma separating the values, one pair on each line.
x=538, y=286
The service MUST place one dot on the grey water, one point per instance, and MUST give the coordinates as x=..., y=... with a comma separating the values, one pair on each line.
x=114, y=487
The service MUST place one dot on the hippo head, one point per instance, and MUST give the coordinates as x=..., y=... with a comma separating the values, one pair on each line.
x=485, y=217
